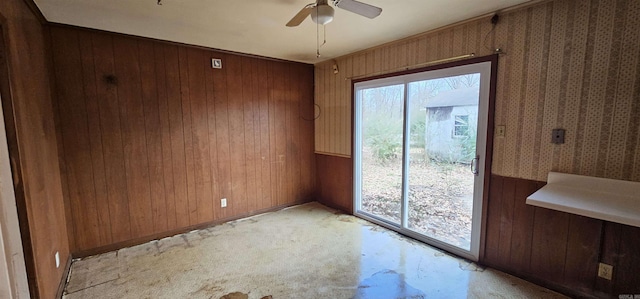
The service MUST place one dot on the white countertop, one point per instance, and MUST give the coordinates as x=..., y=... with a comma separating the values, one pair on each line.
x=599, y=198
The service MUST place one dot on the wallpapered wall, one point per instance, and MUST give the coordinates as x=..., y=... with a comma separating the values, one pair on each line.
x=568, y=64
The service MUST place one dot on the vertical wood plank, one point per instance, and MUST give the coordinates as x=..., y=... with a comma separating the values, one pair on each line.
x=506, y=220
x=165, y=128
x=95, y=133
x=493, y=222
x=249, y=132
x=286, y=134
x=273, y=159
x=257, y=92
x=200, y=132
x=522, y=229
x=192, y=200
x=178, y=157
x=583, y=249
x=627, y=280
x=289, y=132
x=262, y=79
x=549, y=245
x=280, y=132
x=297, y=124
x=238, y=200
x=134, y=136
x=153, y=133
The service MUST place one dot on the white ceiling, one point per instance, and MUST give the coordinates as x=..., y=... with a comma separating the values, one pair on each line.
x=258, y=26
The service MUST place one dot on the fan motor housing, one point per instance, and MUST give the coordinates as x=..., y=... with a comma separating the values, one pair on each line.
x=322, y=14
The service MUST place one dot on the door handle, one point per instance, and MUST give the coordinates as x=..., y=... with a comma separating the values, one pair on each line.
x=474, y=165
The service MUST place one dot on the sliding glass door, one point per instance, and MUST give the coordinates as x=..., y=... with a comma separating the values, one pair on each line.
x=419, y=154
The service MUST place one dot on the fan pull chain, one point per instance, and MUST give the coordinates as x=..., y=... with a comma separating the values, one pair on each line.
x=324, y=30
x=318, y=45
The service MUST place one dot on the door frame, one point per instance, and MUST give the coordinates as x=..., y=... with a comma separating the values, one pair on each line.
x=488, y=146
x=24, y=262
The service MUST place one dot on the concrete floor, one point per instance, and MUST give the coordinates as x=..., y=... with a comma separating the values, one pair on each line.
x=307, y=251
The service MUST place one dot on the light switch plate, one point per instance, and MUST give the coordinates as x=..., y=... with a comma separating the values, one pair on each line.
x=605, y=271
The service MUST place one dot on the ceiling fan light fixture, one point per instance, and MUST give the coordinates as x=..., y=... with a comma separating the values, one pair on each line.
x=322, y=14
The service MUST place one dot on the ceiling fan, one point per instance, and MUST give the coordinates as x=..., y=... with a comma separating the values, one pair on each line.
x=321, y=13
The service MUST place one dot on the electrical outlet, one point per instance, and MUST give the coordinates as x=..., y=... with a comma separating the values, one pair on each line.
x=500, y=131
x=223, y=203
x=57, y=259
x=605, y=271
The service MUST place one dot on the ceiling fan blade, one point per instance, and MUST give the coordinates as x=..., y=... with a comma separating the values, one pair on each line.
x=302, y=14
x=360, y=8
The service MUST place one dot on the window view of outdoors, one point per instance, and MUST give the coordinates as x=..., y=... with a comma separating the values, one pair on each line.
x=382, y=121
x=442, y=139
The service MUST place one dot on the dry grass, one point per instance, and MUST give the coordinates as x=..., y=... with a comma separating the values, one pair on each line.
x=440, y=196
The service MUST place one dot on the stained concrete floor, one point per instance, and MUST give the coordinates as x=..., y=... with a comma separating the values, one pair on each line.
x=307, y=251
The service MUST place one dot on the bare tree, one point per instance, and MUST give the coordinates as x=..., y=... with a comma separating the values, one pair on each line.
x=464, y=81
x=384, y=101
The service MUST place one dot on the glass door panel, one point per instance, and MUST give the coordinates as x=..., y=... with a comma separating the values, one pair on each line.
x=443, y=129
x=419, y=154
x=381, y=151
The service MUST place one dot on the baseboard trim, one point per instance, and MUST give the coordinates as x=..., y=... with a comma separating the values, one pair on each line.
x=556, y=287
x=336, y=207
x=142, y=240
x=65, y=276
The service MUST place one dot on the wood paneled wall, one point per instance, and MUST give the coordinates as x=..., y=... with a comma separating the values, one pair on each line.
x=31, y=136
x=152, y=137
x=568, y=64
x=558, y=249
x=335, y=182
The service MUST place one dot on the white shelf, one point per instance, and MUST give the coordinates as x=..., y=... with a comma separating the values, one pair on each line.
x=605, y=199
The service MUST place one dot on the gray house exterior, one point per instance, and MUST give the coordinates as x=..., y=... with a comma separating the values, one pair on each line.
x=451, y=124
